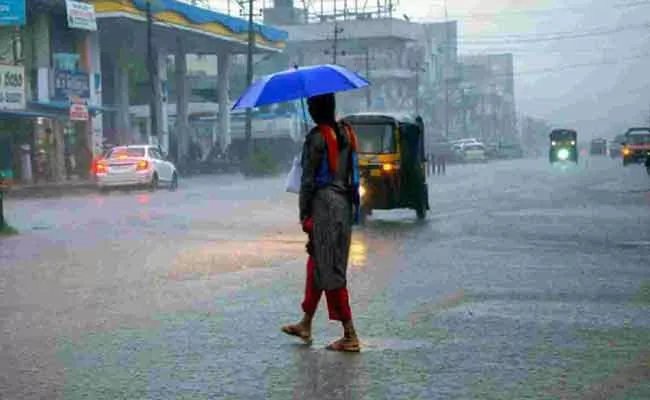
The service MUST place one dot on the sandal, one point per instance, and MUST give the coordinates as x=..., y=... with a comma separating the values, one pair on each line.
x=299, y=332
x=345, y=345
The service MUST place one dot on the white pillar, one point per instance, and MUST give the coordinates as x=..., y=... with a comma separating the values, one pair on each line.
x=94, y=70
x=40, y=32
x=121, y=98
x=223, y=89
x=181, y=129
x=163, y=123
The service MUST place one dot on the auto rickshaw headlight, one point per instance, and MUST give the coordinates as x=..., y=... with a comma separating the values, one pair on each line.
x=387, y=167
x=553, y=143
x=563, y=154
x=573, y=143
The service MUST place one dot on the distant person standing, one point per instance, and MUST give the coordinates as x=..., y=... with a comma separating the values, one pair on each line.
x=441, y=164
x=441, y=161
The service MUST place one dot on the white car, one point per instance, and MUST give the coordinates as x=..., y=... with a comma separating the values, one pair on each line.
x=474, y=152
x=137, y=165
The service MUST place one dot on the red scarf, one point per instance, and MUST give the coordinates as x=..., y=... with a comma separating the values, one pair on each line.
x=329, y=135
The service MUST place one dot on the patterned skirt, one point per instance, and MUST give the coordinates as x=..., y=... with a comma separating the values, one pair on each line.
x=332, y=212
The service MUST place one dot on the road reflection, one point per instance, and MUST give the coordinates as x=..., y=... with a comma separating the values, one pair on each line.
x=323, y=374
x=358, y=252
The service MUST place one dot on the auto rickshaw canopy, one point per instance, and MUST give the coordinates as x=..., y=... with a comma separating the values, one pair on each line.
x=563, y=134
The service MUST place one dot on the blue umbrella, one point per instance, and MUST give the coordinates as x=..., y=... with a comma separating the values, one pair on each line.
x=299, y=83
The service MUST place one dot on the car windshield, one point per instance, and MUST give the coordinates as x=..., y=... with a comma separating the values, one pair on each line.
x=375, y=138
x=126, y=152
x=639, y=138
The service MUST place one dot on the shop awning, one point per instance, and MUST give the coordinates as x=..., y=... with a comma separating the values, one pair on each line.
x=65, y=106
x=28, y=114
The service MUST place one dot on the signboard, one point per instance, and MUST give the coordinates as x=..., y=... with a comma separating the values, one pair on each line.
x=78, y=112
x=12, y=87
x=81, y=15
x=12, y=12
x=66, y=61
x=69, y=84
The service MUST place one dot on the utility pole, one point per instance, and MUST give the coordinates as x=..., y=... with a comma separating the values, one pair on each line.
x=445, y=64
x=368, y=98
x=417, y=89
x=249, y=76
x=335, y=43
x=418, y=68
x=152, y=67
x=337, y=30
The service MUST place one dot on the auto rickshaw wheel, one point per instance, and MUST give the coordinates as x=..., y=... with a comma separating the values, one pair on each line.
x=363, y=215
x=421, y=212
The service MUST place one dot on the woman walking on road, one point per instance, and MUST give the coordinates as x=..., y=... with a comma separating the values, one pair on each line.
x=326, y=215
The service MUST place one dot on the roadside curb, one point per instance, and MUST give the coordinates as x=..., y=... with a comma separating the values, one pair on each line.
x=48, y=191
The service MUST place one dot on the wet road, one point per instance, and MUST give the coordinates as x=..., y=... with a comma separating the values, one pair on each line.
x=526, y=281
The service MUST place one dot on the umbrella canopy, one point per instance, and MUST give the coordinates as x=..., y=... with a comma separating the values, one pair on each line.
x=299, y=83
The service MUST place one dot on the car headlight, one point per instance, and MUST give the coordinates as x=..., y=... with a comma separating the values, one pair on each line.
x=563, y=154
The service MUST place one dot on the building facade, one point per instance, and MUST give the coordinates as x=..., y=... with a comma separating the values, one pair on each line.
x=51, y=120
x=487, y=97
x=410, y=65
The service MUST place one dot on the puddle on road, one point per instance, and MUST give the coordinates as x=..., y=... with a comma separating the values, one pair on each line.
x=635, y=244
x=393, y=344
x=371, y=344
x=200, y=262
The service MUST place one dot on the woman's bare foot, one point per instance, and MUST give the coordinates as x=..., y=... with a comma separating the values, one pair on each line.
x=347, y=345
x=300, y=330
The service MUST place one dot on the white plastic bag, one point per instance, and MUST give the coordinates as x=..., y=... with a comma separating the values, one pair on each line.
x=295, y=176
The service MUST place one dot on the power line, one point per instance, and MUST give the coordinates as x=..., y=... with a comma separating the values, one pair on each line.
x=598, y=30
x=484, y=15
x=541, y=71
x=556, y=37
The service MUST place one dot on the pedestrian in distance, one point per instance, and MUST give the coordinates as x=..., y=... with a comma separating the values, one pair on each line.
x=441, y=163
x=328, y=203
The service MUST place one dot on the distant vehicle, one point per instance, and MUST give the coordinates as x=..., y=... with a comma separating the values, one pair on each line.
x=563, y=146
x=137, y=165
x=636, y=146
x=460, y=142
x=474, y=152
x=598, y=147
x=616, y=146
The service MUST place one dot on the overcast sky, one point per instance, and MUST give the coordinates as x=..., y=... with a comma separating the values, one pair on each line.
x=609, y=39
x=578, y=63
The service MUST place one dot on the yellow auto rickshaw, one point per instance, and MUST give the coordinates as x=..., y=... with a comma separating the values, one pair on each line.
x=392, y=163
